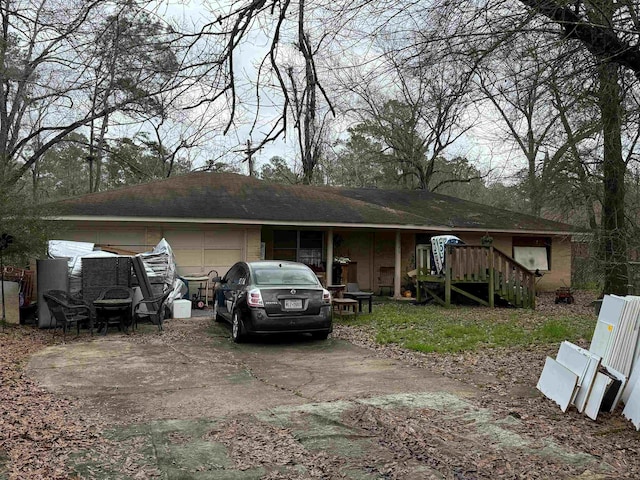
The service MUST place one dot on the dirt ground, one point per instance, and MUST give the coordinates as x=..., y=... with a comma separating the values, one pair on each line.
x=190, y=404
x=506, y=379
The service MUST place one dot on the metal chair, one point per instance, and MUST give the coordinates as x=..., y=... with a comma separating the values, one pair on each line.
x=353, y=291
x=154, y=310
x=67, y=310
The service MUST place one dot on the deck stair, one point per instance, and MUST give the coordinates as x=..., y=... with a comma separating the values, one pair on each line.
x=467, y=267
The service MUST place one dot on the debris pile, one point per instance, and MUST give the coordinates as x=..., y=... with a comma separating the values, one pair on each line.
x=159, y=264
x=596, y=380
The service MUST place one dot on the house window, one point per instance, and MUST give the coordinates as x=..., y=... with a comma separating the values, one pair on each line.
x=533, y=253
x=285, y=245
x=303, y=246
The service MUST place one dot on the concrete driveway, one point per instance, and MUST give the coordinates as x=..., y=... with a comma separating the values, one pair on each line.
x=189, y=403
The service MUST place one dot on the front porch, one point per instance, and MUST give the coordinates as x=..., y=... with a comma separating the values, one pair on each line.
x=480, y=273
x=394, y=261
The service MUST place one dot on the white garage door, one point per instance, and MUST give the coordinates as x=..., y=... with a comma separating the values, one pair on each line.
x=199, y=251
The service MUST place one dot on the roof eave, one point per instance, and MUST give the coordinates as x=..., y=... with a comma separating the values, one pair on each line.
x=302, y=223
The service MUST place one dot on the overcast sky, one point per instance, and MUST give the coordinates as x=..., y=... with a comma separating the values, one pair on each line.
x=477, y=145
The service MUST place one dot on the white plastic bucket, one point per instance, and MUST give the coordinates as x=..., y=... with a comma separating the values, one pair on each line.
x=182, y=309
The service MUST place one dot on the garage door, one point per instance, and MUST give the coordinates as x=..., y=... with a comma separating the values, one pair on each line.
x=131, y=239
x=199, y=251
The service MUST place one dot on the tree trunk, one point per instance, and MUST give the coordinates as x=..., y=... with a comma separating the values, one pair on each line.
x=311, y=140
x=532, y=175
x=614, y=230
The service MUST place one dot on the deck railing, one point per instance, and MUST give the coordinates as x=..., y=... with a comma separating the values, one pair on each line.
x=481, y=264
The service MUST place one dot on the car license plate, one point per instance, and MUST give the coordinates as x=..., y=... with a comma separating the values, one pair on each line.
x=293, y=304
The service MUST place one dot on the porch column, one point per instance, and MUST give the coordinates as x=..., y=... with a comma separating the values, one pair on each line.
x=329, y=274
x=398, y=267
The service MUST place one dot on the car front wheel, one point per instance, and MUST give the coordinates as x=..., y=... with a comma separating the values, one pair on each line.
x=236, y=328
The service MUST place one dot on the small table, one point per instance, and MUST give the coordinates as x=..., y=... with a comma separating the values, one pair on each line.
x=201, y=279
x=345, y=306
x=336, y=290
x=111, y=308
x=360, y=296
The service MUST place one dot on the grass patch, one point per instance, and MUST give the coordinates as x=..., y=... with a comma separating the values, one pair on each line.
x=458, y=329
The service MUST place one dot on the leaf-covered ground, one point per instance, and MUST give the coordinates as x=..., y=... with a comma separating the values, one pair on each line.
x=40, y=431
x=506, y=378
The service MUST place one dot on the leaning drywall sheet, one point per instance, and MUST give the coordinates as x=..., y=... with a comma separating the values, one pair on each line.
x=608, y=319
x=584, y=364
x=623, y=382
x=632, y=341
x=600, y=386
x=574, y=358
x=557, y=383
x=633, y=379
x=622, y=349
x=632, y=408
x=602, y=338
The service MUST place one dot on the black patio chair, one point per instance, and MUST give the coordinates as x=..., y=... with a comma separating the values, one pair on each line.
x=152, y=310
x=353, y=291
x=67, y=310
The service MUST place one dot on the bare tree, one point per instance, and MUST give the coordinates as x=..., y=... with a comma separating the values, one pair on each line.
x=309, y=121
x=522, y=83
x=419, y=117
x=50, y=53
x=609, y=31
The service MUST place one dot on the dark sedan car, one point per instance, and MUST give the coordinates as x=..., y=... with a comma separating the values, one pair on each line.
x=267, y=297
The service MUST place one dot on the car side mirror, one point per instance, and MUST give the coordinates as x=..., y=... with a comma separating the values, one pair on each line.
x=218, y=280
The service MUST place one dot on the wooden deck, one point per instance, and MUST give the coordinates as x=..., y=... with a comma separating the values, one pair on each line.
x=468, y=266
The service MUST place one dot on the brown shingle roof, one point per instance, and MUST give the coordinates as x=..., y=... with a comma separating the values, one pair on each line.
x=229, y=196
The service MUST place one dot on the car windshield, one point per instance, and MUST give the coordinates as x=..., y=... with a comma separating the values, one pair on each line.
x=284, y=276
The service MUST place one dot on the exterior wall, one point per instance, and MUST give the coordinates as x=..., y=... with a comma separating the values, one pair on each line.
x=358, y=246
x=408, y=246
x=504, y=243
x=267, y=238
x=198, y=248
x=132, y=238
x=559, y=274
x=253, y=243
x=201, y=248
x=383, y=254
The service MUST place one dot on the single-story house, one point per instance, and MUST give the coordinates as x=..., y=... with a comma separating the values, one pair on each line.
x=212, y=220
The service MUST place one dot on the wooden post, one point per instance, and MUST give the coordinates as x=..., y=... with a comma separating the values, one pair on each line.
x=447, y=275
x=249, y=153
x=491, y=279
x=398, y=266
x=330, y=257
x=532, y=301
